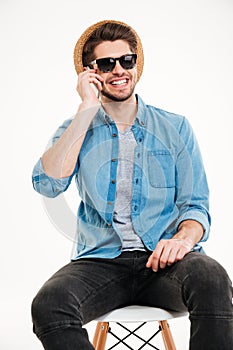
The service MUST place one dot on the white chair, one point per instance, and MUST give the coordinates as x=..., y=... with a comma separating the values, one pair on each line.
x=138, y=314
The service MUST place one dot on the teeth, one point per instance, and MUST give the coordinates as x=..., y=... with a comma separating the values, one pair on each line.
x=119, y=82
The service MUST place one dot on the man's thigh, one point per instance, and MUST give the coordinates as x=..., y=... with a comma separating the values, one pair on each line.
x=87, y=288
x=167, y=288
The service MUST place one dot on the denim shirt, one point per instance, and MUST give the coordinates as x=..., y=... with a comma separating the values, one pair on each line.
x=169, y=182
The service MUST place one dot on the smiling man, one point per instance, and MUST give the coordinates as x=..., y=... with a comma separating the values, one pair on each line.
x=120, y=85
x=144, y=205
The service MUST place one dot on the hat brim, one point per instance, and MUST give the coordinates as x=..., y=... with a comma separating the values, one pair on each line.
x=78, y=50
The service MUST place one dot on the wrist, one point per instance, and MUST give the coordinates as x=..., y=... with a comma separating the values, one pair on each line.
x=89, y=104
x=190, y=231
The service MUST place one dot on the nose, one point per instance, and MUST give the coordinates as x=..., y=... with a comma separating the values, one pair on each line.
x=118, y=69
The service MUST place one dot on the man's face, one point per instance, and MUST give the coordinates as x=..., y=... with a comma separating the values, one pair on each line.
x=118, y=84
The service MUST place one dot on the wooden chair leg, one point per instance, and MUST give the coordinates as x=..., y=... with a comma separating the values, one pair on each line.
x=100, y=335
x=167, y=336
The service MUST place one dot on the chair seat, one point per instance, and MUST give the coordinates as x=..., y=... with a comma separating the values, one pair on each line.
x=136, y=313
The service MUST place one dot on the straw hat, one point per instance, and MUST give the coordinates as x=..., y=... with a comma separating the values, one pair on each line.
x=78, y=50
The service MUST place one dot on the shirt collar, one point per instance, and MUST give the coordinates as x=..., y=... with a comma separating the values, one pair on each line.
x=139, y=119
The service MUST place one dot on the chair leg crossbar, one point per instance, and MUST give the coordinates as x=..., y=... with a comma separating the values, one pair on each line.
x=122, y=340
x=103, y=329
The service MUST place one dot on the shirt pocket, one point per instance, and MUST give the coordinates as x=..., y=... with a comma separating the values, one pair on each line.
x=161, y=168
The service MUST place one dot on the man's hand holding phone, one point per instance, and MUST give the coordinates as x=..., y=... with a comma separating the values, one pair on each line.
x=89, y=85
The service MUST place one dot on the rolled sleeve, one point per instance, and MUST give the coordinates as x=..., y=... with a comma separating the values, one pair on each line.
x=198, y=216
x=47, y=185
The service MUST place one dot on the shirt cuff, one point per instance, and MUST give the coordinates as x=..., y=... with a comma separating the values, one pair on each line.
x=47, y=185
x=199, y=217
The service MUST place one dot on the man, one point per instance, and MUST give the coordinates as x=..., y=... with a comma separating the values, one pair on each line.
x=144, y=205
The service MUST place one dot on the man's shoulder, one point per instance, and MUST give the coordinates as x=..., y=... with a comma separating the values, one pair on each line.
x=161, y=115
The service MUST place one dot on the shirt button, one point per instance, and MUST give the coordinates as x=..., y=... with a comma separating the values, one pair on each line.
x=109, y=203
x=113, y=181
x=136, y=181
x=113, y=159
x=135, y=208
x=109, y=225
x=114, y=135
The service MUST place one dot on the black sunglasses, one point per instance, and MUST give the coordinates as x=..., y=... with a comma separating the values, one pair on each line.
x=107, y=64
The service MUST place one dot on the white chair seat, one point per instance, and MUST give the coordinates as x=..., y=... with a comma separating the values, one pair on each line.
x=136, y=313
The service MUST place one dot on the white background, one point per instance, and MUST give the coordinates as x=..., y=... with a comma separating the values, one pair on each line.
x=188, y=70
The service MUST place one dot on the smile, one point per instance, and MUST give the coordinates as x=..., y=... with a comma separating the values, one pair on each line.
x=119, y=82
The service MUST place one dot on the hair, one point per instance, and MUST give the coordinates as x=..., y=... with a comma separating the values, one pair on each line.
x=108, y=32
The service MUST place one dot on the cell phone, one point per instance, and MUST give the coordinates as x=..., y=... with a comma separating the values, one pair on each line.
x=94, y=87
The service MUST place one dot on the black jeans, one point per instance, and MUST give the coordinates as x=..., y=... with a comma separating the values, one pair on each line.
x=87, y=288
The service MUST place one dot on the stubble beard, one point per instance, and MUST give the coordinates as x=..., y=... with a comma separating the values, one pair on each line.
x=117, y=98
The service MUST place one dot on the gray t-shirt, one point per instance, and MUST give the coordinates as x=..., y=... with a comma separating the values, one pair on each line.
x=122, y=210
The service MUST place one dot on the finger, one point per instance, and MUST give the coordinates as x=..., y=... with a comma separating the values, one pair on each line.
x=165, y=252
x=164, y=256
x=155, y=256
x=177, y=253
x=173, y=251
x=92, y=73
x=149, y=261
x=88, y=69
x=181, y=253
x=169, y=254
x=172, y=258
x=97, y=83
x=84, y=87
x=88, y=75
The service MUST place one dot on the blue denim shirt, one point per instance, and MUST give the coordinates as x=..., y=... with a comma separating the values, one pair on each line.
x=169, y=183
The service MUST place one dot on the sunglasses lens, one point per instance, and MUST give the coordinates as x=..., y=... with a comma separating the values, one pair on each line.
x=128, y=61
x=106, y=64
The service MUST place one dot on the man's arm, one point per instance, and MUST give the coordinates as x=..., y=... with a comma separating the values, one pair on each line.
x=192, y=200
x=167, y=252
x=59, y=161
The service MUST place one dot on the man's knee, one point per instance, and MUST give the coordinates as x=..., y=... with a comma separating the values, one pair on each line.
x=52, y=307
x=208, y=283
x=208, y=272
